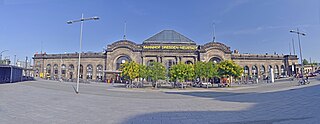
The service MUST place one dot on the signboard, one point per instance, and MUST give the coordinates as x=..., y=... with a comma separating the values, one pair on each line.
x=271, y=75
x=167, y=47
x=41, y=75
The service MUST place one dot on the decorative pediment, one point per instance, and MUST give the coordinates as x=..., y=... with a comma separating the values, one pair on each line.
x=216, y=45
x=124, y=44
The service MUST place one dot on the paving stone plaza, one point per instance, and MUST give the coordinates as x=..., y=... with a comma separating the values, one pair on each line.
x=43, y=101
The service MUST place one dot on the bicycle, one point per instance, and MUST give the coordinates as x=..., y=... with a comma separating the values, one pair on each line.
x=303, y=81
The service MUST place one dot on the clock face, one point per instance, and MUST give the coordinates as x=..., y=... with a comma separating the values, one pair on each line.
x=123, y=61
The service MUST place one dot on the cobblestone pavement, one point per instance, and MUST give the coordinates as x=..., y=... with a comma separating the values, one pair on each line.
x=56, y=102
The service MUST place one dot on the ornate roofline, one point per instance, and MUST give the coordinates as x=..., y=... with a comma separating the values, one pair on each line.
x=215, y=45
x=256, y=57
x=123, y=44
x=68, y=55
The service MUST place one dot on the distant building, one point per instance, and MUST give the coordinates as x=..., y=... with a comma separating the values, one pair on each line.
x=5, y=62
x=307, y=68
x=167, y=47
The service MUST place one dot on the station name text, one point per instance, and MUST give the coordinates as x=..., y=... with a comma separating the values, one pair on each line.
x=171, y=47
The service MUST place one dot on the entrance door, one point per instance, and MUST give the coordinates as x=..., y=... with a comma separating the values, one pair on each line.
x=71, y=75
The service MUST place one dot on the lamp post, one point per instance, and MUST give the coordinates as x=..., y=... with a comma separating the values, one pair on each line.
x=303, y=34
x=1, y=53
x=81, y=27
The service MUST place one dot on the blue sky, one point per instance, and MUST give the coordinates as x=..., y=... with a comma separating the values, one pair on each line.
x=251, y=26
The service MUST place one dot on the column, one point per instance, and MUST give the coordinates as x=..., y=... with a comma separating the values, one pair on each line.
x=94, y=72
x=84, y=71
x=141, y=60
x=176, y=60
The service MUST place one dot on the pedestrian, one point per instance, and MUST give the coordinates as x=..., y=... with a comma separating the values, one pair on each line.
x=112, y=81
x=228, y=81
x=307, y=79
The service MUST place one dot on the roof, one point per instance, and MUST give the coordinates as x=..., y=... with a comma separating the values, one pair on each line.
x=168, y=36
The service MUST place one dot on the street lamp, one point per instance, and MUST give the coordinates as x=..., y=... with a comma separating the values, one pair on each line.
x=1, y=53
x=81, y=27
x=303, y=34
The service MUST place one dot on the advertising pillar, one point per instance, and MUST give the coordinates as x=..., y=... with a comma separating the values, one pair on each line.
x=271, y=75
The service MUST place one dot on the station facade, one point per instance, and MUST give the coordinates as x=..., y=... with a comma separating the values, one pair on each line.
x=167, y=47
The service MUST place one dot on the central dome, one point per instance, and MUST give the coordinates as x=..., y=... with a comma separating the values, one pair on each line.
x=167, y=37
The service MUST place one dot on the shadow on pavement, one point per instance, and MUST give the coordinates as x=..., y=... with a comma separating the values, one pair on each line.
x=209, y=94
x=75, y=90
x=290, y=106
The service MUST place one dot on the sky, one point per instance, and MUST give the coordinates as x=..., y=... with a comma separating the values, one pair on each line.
x=250, y=26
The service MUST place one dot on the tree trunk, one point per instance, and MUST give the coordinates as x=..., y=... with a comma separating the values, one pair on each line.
x=230, y=80
x=207, y=83
x=142, y=82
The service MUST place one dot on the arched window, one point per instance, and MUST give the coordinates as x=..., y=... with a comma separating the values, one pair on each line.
x=246, y=71
x=99, y=72
x=122, y=60
x=63, y=70
x=282, y=70
x=89, y=71
x=269, y=67
x=48, y=69
x=215, y=60
x=262, y=70
x=81, y=72
x=150, y=61
x=169, y=63
x=189, y=62
x=71, y=70
x=71, y=67
x=55, y=69
x=255, y=70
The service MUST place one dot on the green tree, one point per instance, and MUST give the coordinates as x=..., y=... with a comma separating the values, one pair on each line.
x=173, y=73
x=190, y=72
x=130, y=70
x=181, y=72
x=143, y=72
x=210, y=71
x=156, y=71
x=204, y=71
x=199, y=70
x=229, y=68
